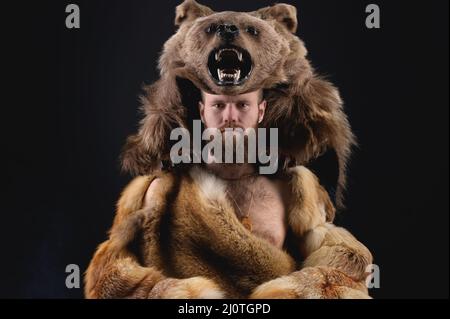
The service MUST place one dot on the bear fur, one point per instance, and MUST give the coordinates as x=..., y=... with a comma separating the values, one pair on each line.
x=188, y=243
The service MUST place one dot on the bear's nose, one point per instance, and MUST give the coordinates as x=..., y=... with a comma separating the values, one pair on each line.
x=227, y=31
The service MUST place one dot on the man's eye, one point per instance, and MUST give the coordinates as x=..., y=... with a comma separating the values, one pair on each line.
x=243, y=105
x=219, y=105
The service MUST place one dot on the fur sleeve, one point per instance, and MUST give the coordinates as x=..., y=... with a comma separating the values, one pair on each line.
x=334, y=261
x=116, y=272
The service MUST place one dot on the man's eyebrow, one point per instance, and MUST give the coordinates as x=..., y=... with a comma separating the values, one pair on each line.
x=217, y=100
x=223, y=101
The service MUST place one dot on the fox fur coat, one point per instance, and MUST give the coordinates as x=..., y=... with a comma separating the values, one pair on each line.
x=189, y=244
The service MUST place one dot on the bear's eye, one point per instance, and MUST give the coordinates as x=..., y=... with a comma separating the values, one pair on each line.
x=211, y=29
x=251, y=30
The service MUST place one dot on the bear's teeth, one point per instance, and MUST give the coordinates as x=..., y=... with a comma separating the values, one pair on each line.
x=229, y=76
x=237, y=75
x=218, y=54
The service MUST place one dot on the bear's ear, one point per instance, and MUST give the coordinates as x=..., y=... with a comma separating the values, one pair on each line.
x=190, y=10
x=283, y=13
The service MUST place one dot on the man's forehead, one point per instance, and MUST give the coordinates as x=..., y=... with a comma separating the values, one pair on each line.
x=232, y=98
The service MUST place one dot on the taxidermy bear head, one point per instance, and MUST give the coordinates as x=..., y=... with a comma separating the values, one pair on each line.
x=233, y=53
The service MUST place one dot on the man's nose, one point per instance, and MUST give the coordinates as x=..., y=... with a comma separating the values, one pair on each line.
x=227, y=32
x=230, y=114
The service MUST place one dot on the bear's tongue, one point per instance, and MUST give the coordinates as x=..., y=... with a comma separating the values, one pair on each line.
x=228, y=56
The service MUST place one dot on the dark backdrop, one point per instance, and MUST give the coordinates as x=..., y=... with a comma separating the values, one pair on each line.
x=70, y=99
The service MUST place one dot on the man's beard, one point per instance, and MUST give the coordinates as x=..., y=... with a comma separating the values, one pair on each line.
x=237, y=142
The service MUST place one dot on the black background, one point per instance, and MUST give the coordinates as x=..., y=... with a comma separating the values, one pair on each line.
x=69, y=99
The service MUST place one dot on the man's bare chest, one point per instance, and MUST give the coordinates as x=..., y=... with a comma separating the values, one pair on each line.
x=260, y=202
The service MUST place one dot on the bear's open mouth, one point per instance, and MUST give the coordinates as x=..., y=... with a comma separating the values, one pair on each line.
x=229, y=65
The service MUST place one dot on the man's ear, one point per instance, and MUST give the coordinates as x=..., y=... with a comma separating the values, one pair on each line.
x=190, y=10
x=285, y=14
x=261, y=110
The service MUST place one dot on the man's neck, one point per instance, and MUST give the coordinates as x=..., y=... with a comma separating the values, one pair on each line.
x=232, y=171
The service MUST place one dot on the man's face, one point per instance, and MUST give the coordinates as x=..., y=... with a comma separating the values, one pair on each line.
x=222, y=111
